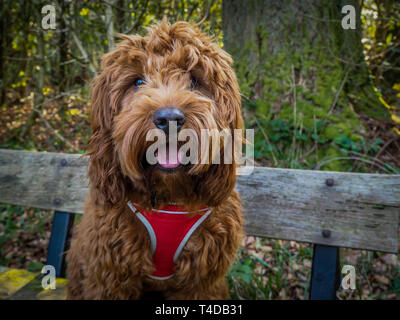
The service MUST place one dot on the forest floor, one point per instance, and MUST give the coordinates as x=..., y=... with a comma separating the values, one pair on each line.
x=266, y=269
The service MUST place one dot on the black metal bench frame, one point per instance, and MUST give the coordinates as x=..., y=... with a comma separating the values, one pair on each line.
x=61, y=232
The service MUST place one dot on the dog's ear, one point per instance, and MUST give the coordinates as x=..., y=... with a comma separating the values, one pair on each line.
x=227, y=93
x=219, y=180
x=105, y=174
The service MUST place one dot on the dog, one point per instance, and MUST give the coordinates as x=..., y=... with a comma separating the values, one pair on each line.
x=168, y=228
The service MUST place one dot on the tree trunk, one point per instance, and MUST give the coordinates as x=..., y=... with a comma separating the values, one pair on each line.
x=63, y=51
x=5, y=27
x=110, y=24
x=295, y=62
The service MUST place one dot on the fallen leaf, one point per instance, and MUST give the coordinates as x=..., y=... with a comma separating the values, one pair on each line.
x=390, y=259
x=382, y=279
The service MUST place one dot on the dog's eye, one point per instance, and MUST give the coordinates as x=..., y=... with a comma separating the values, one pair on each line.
x=138, y=82
x=193, y=83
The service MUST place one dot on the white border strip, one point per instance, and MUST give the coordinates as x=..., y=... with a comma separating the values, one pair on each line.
x=190, y=232
x=153, y=239
x=174, y=212
x=161, y=278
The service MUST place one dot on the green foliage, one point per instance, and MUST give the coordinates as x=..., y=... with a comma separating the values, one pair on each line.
x=35, y=266
x=381, y=36
x=282, y=143
x=46, y=69
x=21, y=233
x=255, y=277
x=299, y=97
x=243, y=271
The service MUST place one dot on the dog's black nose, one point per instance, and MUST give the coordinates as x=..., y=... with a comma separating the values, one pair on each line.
x=163, y=116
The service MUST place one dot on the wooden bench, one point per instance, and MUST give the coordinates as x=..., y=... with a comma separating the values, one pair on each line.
x=328, y=209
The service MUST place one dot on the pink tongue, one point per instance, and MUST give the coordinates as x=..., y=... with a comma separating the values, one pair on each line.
x=168, y=160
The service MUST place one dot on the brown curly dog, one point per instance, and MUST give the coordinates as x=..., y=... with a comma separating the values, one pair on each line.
x=168, y=227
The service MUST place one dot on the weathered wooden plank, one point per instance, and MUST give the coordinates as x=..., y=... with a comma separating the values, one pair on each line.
x=357, y=211
x=43, y=180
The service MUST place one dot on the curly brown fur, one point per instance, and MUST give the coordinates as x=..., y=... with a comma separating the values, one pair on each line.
x=110, y=254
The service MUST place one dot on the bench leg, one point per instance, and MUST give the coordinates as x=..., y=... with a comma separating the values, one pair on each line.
x=325, y=274
x=59, y=241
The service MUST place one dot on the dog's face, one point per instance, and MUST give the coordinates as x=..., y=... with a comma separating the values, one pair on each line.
x=174, y=75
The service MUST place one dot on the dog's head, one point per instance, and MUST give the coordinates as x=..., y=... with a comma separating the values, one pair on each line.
x=173, y=75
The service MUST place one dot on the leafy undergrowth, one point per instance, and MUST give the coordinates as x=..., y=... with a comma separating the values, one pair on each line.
x=279, y=270
x=24, y=237
x=59, y=125
x=280, y=143
x=265, y=269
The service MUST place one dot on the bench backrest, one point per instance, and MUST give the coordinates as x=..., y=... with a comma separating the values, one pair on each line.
x=330, y=208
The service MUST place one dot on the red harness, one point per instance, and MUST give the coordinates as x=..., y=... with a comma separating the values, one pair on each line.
x=169, y=229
